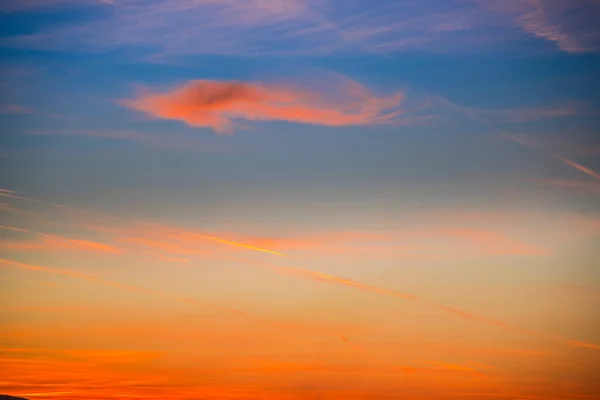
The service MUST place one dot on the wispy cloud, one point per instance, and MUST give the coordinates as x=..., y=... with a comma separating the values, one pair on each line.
x=13, y=195
x=113, y=284
x=481, y=237
x=510, y=136
x=53, y=242
x=17, y=109
x=321, y=277
x=570, y=24
x=181, y=27
x=13, y=6
x=169, y=141
x=531, y=114
x=218, y=104
x=419, y=242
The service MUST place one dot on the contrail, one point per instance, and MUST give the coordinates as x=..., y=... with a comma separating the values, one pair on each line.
x=11, y=194
x=508, y=135
x=345, y=339
x=313, y=275
x=320, y=277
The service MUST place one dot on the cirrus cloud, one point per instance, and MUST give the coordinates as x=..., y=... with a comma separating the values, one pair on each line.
x=218, y=104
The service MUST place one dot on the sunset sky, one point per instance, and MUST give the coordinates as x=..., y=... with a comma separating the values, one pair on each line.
x=300, y=199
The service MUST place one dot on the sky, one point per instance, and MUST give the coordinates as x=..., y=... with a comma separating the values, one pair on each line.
x=299, y=199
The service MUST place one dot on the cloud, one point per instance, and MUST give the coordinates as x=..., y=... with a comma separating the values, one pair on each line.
x=338, y=242
x=411, y=243
x=96, y=356
x=114, y=284
x=218, y=104
x=47, y=244
x=170, y=244
x=508, y=135
x=307, y=27
x=53, y=242
x=20, y=6
x=170, y=141
x=570, y=24
x=12, y=195
x=531, y=114
x=17, y=109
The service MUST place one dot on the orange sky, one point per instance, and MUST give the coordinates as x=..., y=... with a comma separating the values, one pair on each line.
x=251, y=324
x=299, y=199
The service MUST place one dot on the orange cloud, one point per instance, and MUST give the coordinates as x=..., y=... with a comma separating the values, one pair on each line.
x=340, y=242
x=10, y=194
x=371, y=244
x=217, y=104
x=53, y=242
x=321, y=277
x=113, y=284
x=170, y=243
x=157, y=293
x=89, y=355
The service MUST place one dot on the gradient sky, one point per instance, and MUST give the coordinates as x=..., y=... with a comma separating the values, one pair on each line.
x=299, y=199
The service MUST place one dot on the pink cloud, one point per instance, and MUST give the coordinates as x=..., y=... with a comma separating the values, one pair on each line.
x=217, y=104
x=570, y=24
x=56, y=243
